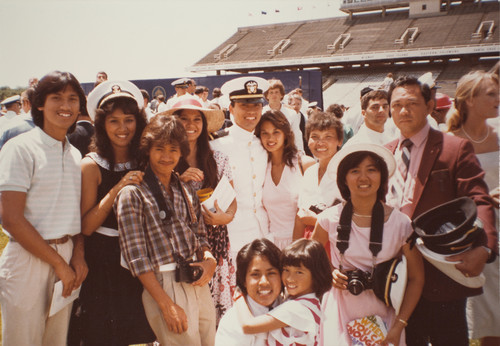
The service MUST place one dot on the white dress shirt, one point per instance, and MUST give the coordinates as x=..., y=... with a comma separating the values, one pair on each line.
x=366, y=135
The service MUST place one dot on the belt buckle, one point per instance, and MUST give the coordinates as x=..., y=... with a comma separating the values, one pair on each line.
x=58, y=241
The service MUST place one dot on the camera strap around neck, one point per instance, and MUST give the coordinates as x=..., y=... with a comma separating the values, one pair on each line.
x=165, y=213
x=376, y=229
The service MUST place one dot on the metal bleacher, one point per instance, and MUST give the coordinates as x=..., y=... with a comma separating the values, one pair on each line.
x=348, y=84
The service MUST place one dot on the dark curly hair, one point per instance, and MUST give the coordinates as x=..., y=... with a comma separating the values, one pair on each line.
x=352, y=161
x=51, y=83
x=162, y=130
x=100, y=141
x=279, y=121
x=322, y=121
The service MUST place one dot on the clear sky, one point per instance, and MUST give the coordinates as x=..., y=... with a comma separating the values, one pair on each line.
x=130, y=39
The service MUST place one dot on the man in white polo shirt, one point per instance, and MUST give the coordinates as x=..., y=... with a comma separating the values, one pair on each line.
x=40, y=185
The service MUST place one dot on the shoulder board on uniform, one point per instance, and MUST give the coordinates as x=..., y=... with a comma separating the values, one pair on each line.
x=219, y=134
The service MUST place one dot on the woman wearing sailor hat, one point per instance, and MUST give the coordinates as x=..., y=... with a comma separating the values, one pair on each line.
x=112, y=310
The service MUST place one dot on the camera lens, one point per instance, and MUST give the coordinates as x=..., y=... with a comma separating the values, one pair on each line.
x=197, y=272
x=355, y=286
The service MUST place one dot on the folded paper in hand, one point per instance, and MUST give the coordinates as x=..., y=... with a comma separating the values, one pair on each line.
x=58, y=301
x=223, y=193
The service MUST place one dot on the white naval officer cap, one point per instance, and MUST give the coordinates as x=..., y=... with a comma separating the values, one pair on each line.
x=11, y=99
x=109, y=90
x=180, y=83
x=246, y=89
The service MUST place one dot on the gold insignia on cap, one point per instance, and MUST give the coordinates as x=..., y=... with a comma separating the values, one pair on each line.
x=251, y=87
x=116, y=89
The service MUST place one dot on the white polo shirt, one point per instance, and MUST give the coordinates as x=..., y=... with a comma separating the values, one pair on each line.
x=49, y=173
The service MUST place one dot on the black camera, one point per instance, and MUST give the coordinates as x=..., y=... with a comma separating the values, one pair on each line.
x=317, y=208
x=358, y=281
x=186, y=273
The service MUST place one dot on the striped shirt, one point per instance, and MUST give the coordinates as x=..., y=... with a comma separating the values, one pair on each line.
x=48, y=171
x=303, y=317
x=144, y=239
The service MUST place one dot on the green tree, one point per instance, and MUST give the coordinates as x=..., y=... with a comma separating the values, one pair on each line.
x=7, y=92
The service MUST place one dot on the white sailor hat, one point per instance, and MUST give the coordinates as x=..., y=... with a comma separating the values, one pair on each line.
x=109, y=90
x=427, y=78
x=246, y=89
x=180, y=83
x=10, y=100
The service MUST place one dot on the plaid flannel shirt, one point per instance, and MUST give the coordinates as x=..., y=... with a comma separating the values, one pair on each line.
x=144, y=240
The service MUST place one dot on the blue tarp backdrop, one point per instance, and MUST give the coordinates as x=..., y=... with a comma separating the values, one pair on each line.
x=309, y=81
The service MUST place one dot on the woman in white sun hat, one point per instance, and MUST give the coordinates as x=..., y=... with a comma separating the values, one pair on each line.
x=363, y=171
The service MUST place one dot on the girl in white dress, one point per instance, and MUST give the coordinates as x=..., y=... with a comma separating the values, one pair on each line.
x=283, y=175
x=476, y=101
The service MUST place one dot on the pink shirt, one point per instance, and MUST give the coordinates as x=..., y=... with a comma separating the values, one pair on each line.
x=417, y=150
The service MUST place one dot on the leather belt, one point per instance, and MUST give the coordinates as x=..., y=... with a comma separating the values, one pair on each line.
x=61, y=240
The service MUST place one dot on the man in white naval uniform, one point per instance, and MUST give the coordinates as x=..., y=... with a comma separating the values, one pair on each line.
x=13, y=106
x=375, y=111
x=181, y=88
x=248, y=160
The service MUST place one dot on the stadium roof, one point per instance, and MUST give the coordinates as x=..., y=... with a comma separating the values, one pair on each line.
x=459, y=30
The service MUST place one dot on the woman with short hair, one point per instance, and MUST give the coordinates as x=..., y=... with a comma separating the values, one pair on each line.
x=362, y=177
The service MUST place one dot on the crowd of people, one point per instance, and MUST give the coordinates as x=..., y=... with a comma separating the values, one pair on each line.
x=258, y=220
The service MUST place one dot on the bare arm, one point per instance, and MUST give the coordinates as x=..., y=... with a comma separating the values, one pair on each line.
x=415, y=267
x=219, y=217
x=298, y=228
x=77, y=261
x=95, y=212
x=27, y=236
x=320, y=234
x=258, y=324
x=307, y=217
x=209, y=263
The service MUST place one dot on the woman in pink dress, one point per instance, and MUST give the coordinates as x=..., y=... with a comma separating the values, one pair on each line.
x=362, y=175
x=283, y=176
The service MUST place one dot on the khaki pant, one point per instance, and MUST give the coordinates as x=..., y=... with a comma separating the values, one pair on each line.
x=197, y=304
x=26, y=286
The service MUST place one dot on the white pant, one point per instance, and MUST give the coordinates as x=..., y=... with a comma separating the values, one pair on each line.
x=26, y=286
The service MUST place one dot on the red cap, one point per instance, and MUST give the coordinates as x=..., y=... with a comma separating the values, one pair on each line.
x=443, y=101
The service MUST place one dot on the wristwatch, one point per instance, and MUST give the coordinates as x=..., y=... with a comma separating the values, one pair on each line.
x=491, y=257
